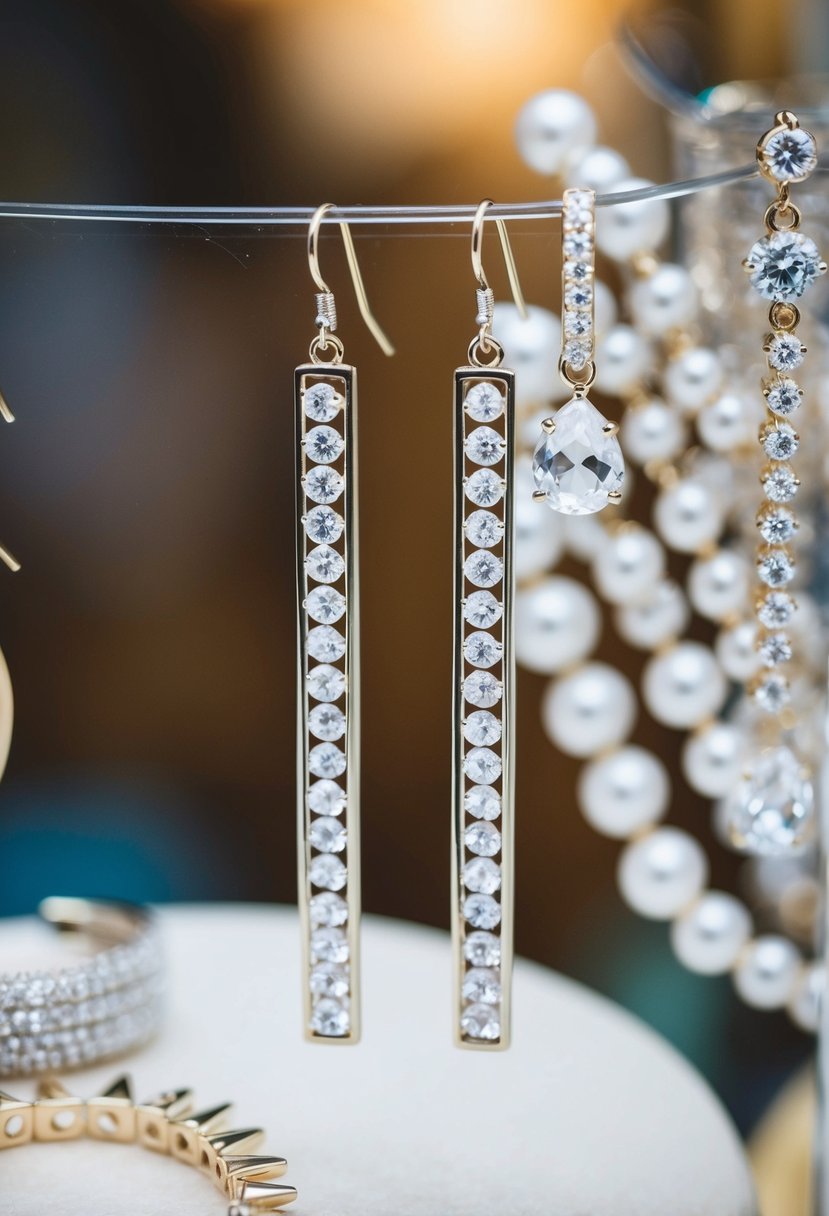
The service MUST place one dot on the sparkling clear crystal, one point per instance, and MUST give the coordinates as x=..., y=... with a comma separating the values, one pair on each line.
x=323, y=444
x=777, y=525
x=322, y=484
x=483, y=529
x=780, y=442
x=578, y=272
x=329, y=946
x=780, y=484
x=578, y=324
x=328, y=872
x=321, y=402
x=483, y=839
x=578, y=465
x=785, y=264
x=578, y=295
x=578, y=245
x=482, y=949
x=481, y=1022
x=482, y=765
x=484, y=487
x=576, y=354
x=326, y=760
x=326, y=798
x=328, y=835
x=482, y=875
x=326, y=722
x=325, y=683
x=484, y=446
x=772, y=693
x=482, y=728
x=785, y=353
x=481, y=650
x=325, y=643
x=482, y=985
x=784, y=397
x=776, y=568
x=324, y=564
x=328, y=979
x=325, y=604
x=482, y=609
x=790, y=155
x=482, y=911
x=330, y=1018
x=327, y=910
x=324, y=526
x=775, y=648
x=484, y=402
x=483, y=569
x=776, y=609
x=772, y=808
x=483, y=802
x=483, y=689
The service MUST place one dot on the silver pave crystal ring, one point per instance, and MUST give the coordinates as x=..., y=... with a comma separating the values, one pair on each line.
x=105, y=1004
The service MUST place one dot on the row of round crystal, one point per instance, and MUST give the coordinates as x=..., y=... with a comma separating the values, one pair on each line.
x=54, y=1050
x=577, y=298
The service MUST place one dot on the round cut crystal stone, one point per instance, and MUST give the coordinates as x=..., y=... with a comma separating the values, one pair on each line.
x=328, y=872
x=578, y=324
x=482, y=949
x=482, y=728
x=776, y=609
x=482, y=985
x=578, y=295
x=780, y=484
x=579, y=464
x=324, y=564
x=775, y=648
x=327, y=910
x=482, y=911
x=483, y=839
x=484, y=402
x=482, y=765
x=329, y=946
x=481, y=1022
x=578, y=245
x=326, y=722
x=789, y=155
x=483, y=529
x=325, y=683
x=326, y=760
x=484, y=487
x=785, y=353
x=483, y=689
x=482, y=875
x=321, y=402
x=483, y=802
x=330, y=1018
x=325, y=644
x=328, y=835
x=772, y=809
x=326, y=798
x=327, y=979
x=777, y=526
x=784, y=396
x=323, y=525
x=484, y=446
x=772, y=694
x=576, y=354
x=578, y=272
x=783, y=265
x=481, y=650
x=325, y=604
x=323, y=484
x=483, y=569
x=780, y=442
x=482, y=609
x=776, y=568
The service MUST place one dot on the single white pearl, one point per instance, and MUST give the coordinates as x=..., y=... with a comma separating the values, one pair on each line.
x=607, y=310
x=736, y=651
x=628, y=564
x=557, y=624
x=652, y=430
x=630, y=228
x=590, y=710
x=665, y=300
x=766, y=974
x=728, y=422
x=553, y=127
x=718, y=585
x=693, y=378
x=624, y=792
x=683, y=686
x=809, y=991
x=655, y=620
x=600, y=169
x=531, y=349
x=662, y=873
x=688, y=516
x=712, y=759
x=622, y=359
x=709, y=936
x=584, y=534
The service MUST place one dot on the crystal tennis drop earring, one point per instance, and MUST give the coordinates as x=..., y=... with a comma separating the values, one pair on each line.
x=328, y=721
x=578, y=465
x=772, y=809
x=484, y=668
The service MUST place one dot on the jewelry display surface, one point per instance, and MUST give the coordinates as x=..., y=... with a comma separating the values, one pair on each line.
x=588, y=1112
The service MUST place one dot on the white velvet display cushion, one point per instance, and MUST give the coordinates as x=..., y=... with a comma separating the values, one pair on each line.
x=588, y=1114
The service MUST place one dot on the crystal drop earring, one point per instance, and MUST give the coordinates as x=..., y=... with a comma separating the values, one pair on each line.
x=577, y=464
x=483, y=669
x=328, y=720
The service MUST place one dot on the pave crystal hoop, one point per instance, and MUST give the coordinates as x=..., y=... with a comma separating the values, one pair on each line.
x=89, y=1011
x=328, y=718
x=166, y=1123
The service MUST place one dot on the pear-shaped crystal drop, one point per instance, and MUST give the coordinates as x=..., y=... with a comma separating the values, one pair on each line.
x=578, y=462
x=772, y=809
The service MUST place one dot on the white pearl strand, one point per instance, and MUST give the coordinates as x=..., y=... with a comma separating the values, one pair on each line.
x=625, y=790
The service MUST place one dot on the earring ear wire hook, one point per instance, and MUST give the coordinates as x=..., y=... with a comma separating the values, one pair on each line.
x=368, y=316
x=506, y=248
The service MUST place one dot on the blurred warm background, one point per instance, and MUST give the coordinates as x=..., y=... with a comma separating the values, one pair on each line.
x=147, y=486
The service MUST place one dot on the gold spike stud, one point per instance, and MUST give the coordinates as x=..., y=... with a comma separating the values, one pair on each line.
x=58, y=1115
x=253, y=1168
x=262, y=1197
x=153, y=1118
x=16, y=1121
x=111, y=1115
x=185, y=1144
x=212, y=1149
